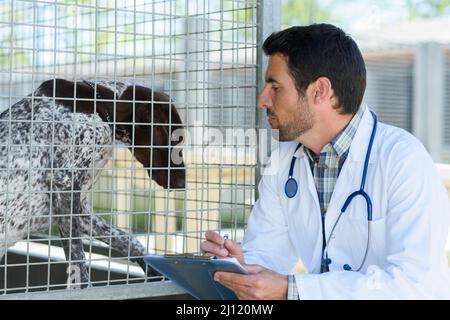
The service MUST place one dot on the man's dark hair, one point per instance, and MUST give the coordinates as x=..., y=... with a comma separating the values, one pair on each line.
x=322, y=50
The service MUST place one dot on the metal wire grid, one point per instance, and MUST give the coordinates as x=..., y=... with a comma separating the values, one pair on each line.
x=203, y=55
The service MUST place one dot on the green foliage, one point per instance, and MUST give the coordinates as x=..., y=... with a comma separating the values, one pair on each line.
x=427, y=8
x=234, y=218
x=79, y=2
x=143, y=205
x=294, y=12
x=18, y=58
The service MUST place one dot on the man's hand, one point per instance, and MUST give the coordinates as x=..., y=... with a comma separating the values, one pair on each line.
x=217, y=246
x=261, y=284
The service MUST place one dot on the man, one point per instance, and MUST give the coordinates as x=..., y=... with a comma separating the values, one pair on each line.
x=358, y=202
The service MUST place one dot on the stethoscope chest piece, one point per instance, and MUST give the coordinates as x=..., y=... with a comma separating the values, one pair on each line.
x=291, y=187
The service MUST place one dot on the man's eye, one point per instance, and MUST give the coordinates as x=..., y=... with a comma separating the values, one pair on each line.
x=275, y=88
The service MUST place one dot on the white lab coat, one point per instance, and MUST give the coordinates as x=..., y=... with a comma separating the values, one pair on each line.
x=411, y=215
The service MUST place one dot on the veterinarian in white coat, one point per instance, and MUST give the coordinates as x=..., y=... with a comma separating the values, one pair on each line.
x=395, y=249
x=408, y=231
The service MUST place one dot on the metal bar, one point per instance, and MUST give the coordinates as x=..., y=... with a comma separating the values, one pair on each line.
x=164, y=289
x=269, y=18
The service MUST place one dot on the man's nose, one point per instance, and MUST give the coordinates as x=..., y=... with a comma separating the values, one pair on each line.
x=264, y=99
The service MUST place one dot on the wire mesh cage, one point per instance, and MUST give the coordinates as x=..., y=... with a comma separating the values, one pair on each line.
x=93, y=173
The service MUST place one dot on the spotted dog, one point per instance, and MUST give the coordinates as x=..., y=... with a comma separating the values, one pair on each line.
x=53, y=146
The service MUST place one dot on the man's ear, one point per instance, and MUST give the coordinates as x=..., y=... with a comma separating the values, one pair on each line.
x=322, y=90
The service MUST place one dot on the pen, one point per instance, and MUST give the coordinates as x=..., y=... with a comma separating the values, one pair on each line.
x=225, y=237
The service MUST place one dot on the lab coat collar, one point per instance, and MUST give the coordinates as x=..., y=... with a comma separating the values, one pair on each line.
x=300, y=153
x=360, y=143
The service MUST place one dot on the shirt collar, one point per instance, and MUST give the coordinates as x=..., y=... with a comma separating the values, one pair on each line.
x=342, y=141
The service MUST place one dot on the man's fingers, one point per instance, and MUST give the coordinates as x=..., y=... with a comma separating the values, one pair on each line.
x=230, y=279
x=214, y=249
x=214, y=237
x=253, y=268
x=208, y=254
x=234, y=248
x=220, y=247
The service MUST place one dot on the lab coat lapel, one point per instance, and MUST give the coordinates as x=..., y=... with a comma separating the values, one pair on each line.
x=349, y=179
x=312, y=248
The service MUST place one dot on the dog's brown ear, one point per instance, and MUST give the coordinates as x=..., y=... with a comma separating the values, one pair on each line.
x=128, y=101
x=166, y=114
x=151, y=107
x=167, y=110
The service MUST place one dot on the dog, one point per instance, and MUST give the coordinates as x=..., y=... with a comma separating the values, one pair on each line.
x=53, y=146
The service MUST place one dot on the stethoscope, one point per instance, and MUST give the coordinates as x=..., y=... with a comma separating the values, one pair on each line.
x=291, y=188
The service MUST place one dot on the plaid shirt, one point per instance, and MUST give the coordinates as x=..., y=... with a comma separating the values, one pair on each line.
x=325, y=169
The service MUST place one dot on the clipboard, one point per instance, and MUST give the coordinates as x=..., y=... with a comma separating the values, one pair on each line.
x=196, y=274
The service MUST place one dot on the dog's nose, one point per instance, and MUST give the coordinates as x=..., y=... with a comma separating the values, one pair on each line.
x=177, y=178
x=178, y=182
